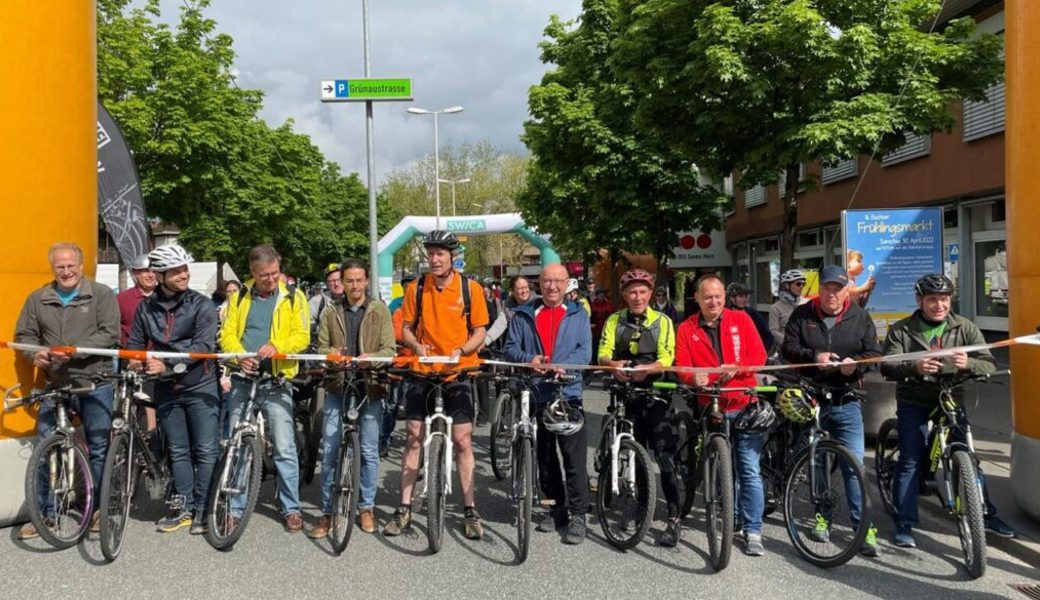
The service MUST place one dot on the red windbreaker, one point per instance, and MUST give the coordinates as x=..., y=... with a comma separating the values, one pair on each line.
x=741, y=345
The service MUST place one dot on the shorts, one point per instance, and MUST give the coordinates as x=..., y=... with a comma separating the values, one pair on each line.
x=458, y=401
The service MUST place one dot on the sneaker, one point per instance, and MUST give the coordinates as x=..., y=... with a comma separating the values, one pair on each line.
x=293, y=522
x=998, y=527
x=821, y=531
x=174, y=521
x=672, y=533
x=399, y=523
x=473, y=528
x=553, y=520
x=321, y=529
x=870, y=547
x=28, y=532
x=904, y=538
x=367, y=520
x=198, y=525
x=576, y=531
x=753, y=544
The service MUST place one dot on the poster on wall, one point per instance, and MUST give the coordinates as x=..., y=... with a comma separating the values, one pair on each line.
x=886, y=252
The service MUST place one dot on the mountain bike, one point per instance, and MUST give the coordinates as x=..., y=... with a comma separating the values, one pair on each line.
x=626, y=492
x=58, y=470
x=952, y=448
x=504, y=417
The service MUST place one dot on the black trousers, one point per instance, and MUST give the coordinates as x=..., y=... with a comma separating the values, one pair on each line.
x=656, y=432
x=567, y=484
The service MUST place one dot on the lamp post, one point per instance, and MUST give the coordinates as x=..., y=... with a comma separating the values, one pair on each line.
x=436, y=152
x=453, y=182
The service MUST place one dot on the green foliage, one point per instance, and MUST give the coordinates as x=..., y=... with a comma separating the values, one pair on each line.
x=207, y=162
x=596, y=177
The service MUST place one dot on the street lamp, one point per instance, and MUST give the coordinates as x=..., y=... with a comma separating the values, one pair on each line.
x=453, y=182
x=436, y=155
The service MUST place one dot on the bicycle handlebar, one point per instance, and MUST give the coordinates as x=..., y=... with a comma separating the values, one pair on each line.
x=714, y=390
x=11, y=403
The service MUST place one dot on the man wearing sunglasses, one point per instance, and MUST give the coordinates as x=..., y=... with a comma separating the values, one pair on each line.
x=792, y=282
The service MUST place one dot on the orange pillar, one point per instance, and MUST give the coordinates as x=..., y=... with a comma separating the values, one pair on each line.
x=1023, y=202
x=48, y=125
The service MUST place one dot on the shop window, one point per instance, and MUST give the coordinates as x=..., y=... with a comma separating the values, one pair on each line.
x=991, y=278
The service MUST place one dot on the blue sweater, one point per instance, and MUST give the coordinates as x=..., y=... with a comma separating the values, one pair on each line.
x=573, y=346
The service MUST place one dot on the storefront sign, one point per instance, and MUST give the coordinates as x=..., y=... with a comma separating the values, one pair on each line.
x=699, y=249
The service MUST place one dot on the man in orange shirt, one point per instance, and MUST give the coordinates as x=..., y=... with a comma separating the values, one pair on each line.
x=441, y=325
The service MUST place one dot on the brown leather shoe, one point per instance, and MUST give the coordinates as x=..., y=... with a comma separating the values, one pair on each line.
x=293, y=522
x=321, y=530
x=367, y=521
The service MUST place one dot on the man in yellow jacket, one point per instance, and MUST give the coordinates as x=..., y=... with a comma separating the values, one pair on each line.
x=267, y=318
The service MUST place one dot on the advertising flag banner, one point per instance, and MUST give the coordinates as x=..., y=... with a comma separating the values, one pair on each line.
x=119, y=191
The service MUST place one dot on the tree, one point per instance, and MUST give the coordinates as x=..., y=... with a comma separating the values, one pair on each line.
x=596, y=179
x=763, y=86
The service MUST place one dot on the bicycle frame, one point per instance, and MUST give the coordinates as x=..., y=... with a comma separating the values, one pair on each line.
x=947, y=417
x=440, y=417
x=620, y=429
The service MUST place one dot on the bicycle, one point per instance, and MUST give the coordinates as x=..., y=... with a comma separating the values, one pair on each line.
x=504, y=417
x=812, y=502
x=437, y=452
x=705, y=455
x=58, y=469
x=625, y=483
x=240, y=469
x=960, y=492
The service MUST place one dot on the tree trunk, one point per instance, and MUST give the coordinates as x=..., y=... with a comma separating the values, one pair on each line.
x=615, y=291
x=790, y=219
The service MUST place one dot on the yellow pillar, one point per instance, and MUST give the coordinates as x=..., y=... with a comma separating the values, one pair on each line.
x=48, y=126
x=1023, y=203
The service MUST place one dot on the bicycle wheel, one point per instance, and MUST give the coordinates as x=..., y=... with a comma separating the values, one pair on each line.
x=523, y=491
x=59, y=474
x=967, y=502
x=687, y=466
x=502, y=435
x=317, y=407
x=886, y=457
x=117, y=487
x=346, y=491
x=820, y=520
x=718, y=502
x=771, y=466
x=435, y=496
x=237, y=486
x=625, y=516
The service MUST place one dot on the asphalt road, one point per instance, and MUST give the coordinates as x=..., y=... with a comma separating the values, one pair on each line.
x=269, y=563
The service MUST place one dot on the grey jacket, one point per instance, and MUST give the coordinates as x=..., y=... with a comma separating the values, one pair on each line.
x=91, y=320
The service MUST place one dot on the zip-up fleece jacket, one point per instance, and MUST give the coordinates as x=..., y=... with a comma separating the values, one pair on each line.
x=853, y=336
x=290, y=325
x=905, y=336
x=741, y=345
x=184, y=322
x=91, y=320
x=376, y=336
x=573, y=346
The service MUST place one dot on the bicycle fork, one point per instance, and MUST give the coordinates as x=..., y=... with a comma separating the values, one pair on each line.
x=430, y=434
x=615, y=462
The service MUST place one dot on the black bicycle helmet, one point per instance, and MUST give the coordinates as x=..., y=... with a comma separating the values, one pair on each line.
x=757, y=416
x=438, y=238
x=737, y=289
x=934, y=283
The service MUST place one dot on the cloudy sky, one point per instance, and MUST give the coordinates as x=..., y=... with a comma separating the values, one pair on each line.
x=481, y=54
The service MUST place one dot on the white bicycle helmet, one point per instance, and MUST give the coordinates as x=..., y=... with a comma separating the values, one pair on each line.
x=792, y=275
x=140, y=263
x=572, y=285
x=169, y=257
x=562, y=418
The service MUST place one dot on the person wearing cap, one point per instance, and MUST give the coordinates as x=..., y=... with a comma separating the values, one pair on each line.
x=129, y=299
x=333, y=293
x=792, y=282
x=178, y=319
x=662, y=304
x=555, y=330
x=832, y=329
x=640, y=337
x=439, y=326
x=933, y=326
x=738, y=297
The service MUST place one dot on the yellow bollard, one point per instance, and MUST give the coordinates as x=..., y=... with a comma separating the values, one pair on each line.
x=48, y=124
x=1023, y=190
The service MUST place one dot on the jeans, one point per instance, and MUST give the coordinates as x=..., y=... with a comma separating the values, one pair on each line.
x=95, y=413
x=569, y=487
x=912, y=426
x=190, y=421
x=845, y=424
x=369, y=415
x=748, y=491
x=276, y=404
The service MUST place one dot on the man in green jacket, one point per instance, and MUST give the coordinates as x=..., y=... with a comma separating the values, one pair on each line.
x=353, y=325
x=932, y=327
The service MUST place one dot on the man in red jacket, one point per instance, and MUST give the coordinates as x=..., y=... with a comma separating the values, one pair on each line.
x=714, y=337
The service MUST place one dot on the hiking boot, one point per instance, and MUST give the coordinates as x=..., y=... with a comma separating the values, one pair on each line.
x=321, y=529
x=870, y=547
x=753, y=544
x=821, y=532
x=293, y=522
x=175, y=520
x=553, y=520
x=576, y=531
x=672, y=533
x=998, y=527
x=367, y=520
x=473, y=528
x=904, y=537
x=198, y=525
x=400, y=522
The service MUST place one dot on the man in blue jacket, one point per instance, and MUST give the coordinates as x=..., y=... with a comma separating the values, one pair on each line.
x=544, y=331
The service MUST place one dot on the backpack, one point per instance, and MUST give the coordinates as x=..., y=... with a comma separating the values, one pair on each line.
x=419, y=283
